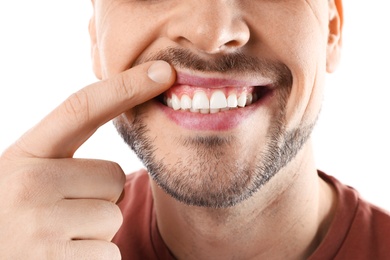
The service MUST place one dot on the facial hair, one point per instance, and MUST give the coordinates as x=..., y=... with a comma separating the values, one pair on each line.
x=211, y=175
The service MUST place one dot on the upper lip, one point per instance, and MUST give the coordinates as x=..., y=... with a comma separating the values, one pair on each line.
x=220, y=82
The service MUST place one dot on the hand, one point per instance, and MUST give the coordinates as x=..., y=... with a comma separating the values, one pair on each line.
x=53, y=206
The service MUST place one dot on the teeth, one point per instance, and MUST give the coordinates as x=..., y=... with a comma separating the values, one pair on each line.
x=185, y=102
x=200, y=101
x=218, y=102
x=241, y=101
x=249, y=99
x=232, y=101
x=169, y=102
x=175, y=102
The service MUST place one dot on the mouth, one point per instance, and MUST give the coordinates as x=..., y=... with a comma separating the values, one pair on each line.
x=212, y=100
x=214, y=104
x=212, y=95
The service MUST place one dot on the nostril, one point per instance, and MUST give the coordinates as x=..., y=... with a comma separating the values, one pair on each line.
x=210, y=29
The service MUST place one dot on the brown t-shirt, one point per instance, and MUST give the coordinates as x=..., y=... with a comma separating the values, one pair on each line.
x=359, y=230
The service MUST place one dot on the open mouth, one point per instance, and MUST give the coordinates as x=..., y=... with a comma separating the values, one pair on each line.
x=212, y=100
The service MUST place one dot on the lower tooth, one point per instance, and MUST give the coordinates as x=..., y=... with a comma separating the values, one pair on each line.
x=205, y=111
x=213, y=111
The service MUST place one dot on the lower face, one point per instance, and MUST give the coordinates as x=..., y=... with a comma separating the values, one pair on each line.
x=215, y=157
x=219, y=156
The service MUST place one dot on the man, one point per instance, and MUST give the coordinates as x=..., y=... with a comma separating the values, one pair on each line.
x=218, y=98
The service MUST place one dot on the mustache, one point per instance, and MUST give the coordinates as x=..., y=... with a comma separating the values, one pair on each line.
x=236, y=63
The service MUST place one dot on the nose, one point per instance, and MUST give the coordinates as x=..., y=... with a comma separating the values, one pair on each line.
x=209, y=26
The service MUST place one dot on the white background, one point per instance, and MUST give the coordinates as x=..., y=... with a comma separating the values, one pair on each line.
x=44, y=57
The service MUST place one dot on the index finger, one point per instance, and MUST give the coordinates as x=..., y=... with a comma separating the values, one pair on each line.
x=68, y=126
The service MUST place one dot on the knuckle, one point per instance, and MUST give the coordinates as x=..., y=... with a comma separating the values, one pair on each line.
x=110, y=219
x=97, y=251
x=124, y=86
x=116, y=177
x=118, y=218
x=112, y=167
x=21, y=192
x=112, y=215
x=115, y=171
x=36, y=181
x=113, y=252
x=27, y=184
x=77, y=106
x=32, y=183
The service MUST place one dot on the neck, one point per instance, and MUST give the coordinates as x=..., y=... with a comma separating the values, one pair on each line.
x=287, y=218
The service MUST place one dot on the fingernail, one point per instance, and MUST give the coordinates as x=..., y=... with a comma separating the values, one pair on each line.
x=160, y=72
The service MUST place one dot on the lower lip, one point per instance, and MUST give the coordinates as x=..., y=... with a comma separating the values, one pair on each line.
x=221, y=121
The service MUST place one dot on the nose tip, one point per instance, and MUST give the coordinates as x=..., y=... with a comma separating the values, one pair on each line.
x=210, y=29
x=222, y=38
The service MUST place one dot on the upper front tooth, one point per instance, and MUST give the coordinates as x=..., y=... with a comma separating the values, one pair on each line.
x=218, y=100
x=200, y=101
x=185, y=102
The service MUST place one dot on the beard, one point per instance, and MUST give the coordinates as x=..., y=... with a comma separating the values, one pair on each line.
x=213, y=172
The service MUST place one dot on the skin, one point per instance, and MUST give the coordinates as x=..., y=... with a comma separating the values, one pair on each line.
x=285, y=217
x=202, y=227
x=47, y=196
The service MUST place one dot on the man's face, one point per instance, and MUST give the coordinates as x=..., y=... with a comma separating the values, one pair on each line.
x=248, y=92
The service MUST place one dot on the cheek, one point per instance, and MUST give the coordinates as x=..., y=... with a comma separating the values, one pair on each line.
x=118, y=50
x=121, y=41
x=297, y=38
x=304, y=53
x=308, y=71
